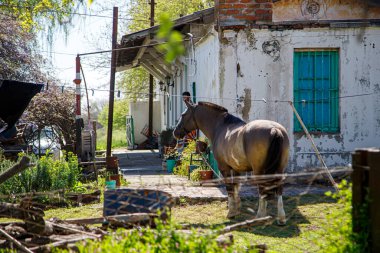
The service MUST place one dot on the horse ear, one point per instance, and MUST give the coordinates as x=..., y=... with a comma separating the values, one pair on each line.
x=190, y=105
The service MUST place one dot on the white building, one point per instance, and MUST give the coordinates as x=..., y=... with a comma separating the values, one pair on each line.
x=252, y=58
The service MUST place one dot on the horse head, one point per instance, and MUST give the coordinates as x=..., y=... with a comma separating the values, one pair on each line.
x=186, y=122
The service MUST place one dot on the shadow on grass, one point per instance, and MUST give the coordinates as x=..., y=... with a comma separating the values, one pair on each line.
x=294, y=216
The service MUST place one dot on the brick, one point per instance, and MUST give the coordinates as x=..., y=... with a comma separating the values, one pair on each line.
x=232, y=12
x=268, y=6
x=246, y=17
x=248, y=11
x=232, y=1
x=239, y=6
x=263, y=11
x=254, y=6
x=246, y=1
x=263, y=1
x=226, y=6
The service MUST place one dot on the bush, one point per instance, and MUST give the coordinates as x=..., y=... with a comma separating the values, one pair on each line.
x=47, y=175
x=165, y=238
x=195, y=175
x=338, y=235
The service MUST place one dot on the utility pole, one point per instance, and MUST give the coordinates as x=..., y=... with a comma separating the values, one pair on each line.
x=150, y=130
x=78, y=116
x=112, y=83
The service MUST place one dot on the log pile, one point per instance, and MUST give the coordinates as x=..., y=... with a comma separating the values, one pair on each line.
x=64, y=233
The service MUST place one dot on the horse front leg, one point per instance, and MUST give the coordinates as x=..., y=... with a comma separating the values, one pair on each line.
x=233, y=200
x=233, y=189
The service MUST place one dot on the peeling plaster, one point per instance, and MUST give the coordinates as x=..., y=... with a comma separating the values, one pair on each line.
x=246, y=104
x=251, y=39
x=272, y=48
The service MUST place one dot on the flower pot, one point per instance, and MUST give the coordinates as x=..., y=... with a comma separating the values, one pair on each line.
x=111, y=184
x=170, y=164
x=117, y=178
x=200, y=147
x=206, y=174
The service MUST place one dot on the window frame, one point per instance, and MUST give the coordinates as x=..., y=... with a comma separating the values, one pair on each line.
x=333, y=127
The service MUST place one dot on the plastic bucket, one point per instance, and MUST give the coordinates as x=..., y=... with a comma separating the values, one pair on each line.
x=111, y=184
x=170, y=164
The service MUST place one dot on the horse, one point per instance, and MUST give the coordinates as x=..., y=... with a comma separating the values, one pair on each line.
x=260, y=146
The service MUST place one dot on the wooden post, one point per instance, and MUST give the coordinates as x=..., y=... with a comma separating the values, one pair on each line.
x=112, y=82
x=366, y=186
x=374, y=195
x=359, y=185
x=94, y=123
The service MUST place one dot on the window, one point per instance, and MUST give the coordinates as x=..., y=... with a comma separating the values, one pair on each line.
x=316, y=89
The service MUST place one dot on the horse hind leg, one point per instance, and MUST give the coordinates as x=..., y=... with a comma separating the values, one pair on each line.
x=281, y=217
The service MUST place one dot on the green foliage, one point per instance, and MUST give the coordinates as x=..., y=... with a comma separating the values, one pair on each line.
x=164, y=238
x=121, y=109
x=181, y=170
x=36, y=13
x=173, y=46
x=337, y=229
x=140, y=10
x=195, y=175
x=135, y=82
x=47, y=175
x=119, y=139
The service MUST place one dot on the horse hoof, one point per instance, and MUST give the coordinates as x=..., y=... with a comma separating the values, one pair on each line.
x=233, y=214
x=281, y=222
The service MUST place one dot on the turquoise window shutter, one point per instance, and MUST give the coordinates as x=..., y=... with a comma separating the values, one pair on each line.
x=316, y=89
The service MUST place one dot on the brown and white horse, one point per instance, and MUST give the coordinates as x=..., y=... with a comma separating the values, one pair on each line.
x=261, y=146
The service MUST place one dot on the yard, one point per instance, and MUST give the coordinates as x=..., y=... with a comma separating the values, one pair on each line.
x=304, y=230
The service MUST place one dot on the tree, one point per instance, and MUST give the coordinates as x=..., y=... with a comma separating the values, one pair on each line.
x=54, y=108
x=39, y=13
x=135, y=81
x=121, y=109
x=18, y=59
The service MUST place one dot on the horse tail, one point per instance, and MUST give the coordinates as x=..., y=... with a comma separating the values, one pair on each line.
x=272, y=164
x=274, y=154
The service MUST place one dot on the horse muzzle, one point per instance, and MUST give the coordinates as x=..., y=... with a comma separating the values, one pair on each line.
x=179, y=134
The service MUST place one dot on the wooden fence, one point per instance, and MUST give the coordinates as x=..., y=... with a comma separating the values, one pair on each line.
x=366, y=186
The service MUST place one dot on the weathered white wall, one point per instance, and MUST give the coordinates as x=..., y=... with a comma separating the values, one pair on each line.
x=140, y=113
x=245, y=70
x=206, y=73
x=203, y=71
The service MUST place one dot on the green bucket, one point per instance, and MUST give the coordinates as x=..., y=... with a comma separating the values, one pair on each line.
x=170, y=164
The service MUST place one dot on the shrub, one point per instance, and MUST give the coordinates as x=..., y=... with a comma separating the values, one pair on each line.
x=195, y=175
x=165, y=238
x=338, y=235
x=181, y=170
x=47, y=175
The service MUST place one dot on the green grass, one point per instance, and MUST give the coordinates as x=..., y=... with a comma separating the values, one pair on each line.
x=306, y=219
x=305, y=215
x=87, y=211
x=119, y=138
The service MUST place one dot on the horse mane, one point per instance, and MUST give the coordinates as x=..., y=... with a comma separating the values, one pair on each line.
x=228, y=118
x=231, y=119
x=213, y=106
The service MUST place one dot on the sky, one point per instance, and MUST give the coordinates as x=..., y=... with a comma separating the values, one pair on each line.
x=84, y=35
